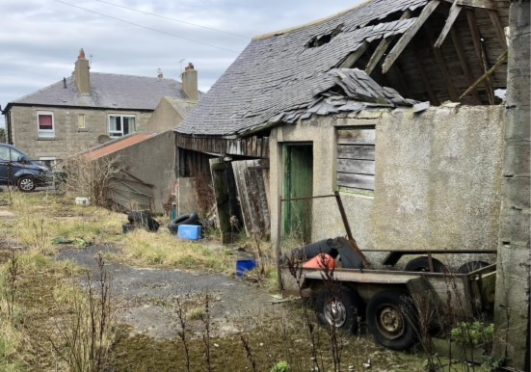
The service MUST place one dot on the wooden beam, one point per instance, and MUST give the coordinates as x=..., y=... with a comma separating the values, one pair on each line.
x=501, y=60
x=500, y=32
x=408, y=35
x=382, y=48
x=351, y=59
x=456, y=41
x=455, y=10
x=480, y=53
x=441, y=65
x=484, y=4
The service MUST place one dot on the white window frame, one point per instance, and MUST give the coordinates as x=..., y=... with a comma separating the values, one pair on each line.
x=118, y=134
x=45, y=133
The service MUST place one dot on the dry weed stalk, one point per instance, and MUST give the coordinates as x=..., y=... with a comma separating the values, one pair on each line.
x=90, y=178
x=207, y=336
x=182, y=310
x=84, y=342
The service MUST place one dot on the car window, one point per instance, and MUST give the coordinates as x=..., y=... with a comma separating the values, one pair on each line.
x=16, y=155
x=4, y=153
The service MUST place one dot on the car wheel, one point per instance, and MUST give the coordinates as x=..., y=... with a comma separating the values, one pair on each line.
x=26, y=183
x=423, y=264
x=391, y=319
x=338, y=307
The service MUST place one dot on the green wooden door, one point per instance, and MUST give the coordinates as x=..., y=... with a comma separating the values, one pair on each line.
x=298, y=183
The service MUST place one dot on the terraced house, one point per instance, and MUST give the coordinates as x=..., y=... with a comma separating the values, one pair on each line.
x=90, y=108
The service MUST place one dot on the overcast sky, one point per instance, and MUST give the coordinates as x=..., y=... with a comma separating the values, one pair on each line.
x=40, y=39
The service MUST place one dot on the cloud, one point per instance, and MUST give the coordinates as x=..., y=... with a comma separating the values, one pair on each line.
x=40, y=40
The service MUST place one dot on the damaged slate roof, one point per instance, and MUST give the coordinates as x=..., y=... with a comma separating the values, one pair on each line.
x=107, y=91
x=293, y=74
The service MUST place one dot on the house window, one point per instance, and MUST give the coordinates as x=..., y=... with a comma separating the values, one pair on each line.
x=48, y=161
x=46, y=126
x=355, y=158
x=81, y=121
x=121, y=125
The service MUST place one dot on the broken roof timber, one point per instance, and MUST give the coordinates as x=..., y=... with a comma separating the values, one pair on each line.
x=485, y=4
x=455, y=10
x=408, y=35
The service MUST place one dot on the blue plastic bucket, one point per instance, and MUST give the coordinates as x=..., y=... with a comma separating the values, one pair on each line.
x=189, y=232
x=244, y=266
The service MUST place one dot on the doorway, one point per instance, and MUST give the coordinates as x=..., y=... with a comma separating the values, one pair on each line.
x=298, y=183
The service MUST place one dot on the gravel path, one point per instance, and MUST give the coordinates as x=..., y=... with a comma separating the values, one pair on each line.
x=146, y=297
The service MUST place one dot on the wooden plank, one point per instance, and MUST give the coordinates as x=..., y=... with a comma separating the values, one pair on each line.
x=441, y=65
x=382, y=47
x=480, y=53
x=484, y=4
x=501, y=60
x=455, y=10
x=356, y=181
x=356, y=136
x=352, y=58
x=408, y=35
x=456, y=41
x=425, y=82
x=356, y=166
x=500, y=32
x=360, y=152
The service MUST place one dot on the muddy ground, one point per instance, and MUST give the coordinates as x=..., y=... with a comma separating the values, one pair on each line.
x=146, y=298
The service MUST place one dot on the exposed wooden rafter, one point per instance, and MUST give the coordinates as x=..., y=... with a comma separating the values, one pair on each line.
x=501, y=60
x=408, y=35
x=480, y=53
x=441, y=65
x=354, y=56
x=382, y=47
x=455, y=10
x=456, y=41
x=495, y=19
x=484, y=4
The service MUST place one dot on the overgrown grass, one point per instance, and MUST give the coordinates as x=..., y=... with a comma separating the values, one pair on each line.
x=163, y=249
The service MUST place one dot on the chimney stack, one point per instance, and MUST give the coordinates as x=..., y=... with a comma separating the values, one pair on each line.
x=189, y=81
x=82, y=74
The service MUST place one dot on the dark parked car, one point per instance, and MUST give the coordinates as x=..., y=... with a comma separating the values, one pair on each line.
x=16, y=168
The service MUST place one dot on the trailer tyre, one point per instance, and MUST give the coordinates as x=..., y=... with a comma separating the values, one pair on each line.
x=391, y=319
x=423, y=264
x=338, y=307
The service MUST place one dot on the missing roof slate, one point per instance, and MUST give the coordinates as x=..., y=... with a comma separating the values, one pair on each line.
x=319, y=40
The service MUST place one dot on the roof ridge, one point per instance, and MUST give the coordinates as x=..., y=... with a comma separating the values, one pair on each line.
x=311, y=23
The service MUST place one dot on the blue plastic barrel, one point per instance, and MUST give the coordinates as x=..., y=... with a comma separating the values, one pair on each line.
x=189, y=232
x=244, y=266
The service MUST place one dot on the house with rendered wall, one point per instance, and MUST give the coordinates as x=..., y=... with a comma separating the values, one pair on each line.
x=89, y=108
x=396, y=105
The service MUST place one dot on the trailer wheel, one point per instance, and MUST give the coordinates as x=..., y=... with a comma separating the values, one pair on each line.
x=423, y=264
x=338, y=307
x=471, y=266
x=391, y=319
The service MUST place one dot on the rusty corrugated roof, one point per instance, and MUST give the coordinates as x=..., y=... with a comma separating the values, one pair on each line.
x=117, y=145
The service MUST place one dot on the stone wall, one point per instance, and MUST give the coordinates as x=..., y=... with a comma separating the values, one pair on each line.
x=69, y=139
x=437, y=180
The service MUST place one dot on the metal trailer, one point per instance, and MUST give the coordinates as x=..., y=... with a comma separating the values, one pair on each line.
x=398, y=306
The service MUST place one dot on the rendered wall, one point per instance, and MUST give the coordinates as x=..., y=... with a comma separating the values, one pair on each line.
x=437, y=179
x=68, y=140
